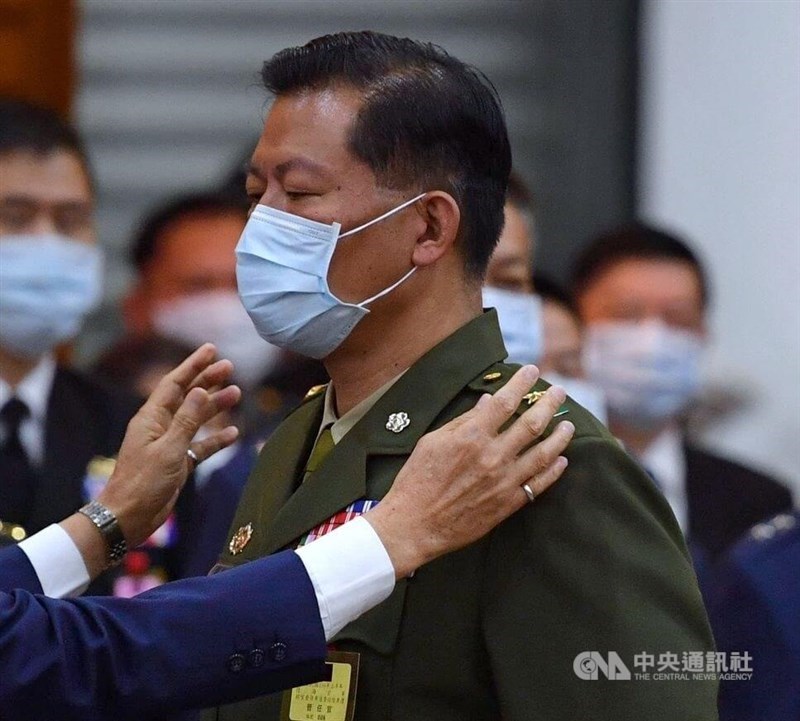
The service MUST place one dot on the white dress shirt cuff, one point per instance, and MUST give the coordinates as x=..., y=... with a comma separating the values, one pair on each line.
x=351, y=572
x=57, y=561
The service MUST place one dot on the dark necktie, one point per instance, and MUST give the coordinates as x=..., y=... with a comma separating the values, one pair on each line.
x=17, y=476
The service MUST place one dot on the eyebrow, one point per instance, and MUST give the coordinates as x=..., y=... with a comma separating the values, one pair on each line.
x=60, y=203
x=299, y=163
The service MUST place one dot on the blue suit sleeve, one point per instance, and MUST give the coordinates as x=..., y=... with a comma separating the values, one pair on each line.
x=16, y=571
x=190, y=644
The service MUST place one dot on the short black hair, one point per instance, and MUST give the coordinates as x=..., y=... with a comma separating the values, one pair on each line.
x=428, y=121
x=31, y=128
x=551, y=290
x=634, y=241
x=145, y=243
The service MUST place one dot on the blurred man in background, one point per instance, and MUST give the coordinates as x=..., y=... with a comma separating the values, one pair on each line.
x=562, y=330
x=754, y=606
x=539, y=324
x=51, y=272
x=507, y=285
x=562, y=348
x=643, y=295
x=185, y=285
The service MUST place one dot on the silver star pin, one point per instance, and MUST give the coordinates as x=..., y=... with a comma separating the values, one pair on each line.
x=397, y=422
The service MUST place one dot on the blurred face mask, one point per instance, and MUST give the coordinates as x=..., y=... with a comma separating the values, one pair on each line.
x=282, y=263
x=648, y=372
x=520, y=316
x=48, y=285
x=218, y=317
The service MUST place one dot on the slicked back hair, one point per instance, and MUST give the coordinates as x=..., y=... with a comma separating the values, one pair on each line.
x=636, y=241
x=428, y=122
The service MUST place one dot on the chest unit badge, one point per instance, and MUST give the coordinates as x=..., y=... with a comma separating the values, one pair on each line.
x=240, y=539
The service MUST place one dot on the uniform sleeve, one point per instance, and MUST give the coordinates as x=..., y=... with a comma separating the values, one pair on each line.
x=193, y=643
x=597, y=564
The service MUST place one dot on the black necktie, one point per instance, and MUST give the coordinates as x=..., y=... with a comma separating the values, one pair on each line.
x=17, y=476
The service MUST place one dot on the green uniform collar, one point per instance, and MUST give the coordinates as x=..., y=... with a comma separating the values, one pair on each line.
x=422, y=393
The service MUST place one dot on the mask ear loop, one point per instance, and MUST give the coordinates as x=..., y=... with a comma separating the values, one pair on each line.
x=382, y=217
x=378, y=220
x=387, y=290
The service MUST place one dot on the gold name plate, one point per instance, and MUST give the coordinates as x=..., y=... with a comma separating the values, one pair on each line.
x=333, y=700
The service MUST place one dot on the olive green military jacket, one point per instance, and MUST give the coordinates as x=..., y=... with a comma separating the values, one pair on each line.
x=596, y=564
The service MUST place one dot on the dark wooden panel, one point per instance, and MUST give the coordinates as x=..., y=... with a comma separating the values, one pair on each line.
x=36, y=51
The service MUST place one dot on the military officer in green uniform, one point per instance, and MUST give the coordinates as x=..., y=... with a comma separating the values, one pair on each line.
x=378, y=187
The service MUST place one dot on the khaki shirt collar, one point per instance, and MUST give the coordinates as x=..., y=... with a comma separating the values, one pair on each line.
x=340, y=426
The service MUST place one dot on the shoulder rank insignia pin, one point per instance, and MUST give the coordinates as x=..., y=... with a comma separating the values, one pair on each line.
x=493, y=376
x=532, y=397
x=315, y=390
x=240, y=539
x=397, y=422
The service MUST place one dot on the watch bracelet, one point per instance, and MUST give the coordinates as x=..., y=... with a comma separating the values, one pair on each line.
x=106, y=522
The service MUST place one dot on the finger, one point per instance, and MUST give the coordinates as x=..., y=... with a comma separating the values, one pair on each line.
x=542, y=455
x=207, y=447
x=538, y=485
x=217, y=374
x=171, y=389
x=546, y=478
x=496, y=409
x=224, y=399
x=196, y=409
x=531, y=424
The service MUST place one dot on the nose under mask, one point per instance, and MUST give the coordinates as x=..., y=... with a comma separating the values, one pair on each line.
x=282, y=264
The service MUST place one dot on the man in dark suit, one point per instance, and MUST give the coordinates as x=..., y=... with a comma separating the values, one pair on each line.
x=94, y=658
x=204, y=641
x=643, y=295
x=404, y=149
x=53, y=421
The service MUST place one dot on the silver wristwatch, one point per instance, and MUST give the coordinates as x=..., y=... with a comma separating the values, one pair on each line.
x=108, y=526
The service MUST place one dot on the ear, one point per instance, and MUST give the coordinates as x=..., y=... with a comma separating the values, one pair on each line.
x=442, y=216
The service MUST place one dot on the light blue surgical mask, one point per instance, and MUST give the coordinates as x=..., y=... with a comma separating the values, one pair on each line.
x=649, y=372
x=48, y=284
x=520, y=316
x=282, y=263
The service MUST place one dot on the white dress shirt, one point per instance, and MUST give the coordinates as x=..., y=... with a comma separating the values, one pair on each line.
x=665, y=460
x=34, y=392
x=349, y=568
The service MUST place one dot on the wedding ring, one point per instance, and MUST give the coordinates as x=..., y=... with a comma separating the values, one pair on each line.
x=529, y=493
x=193, y=456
